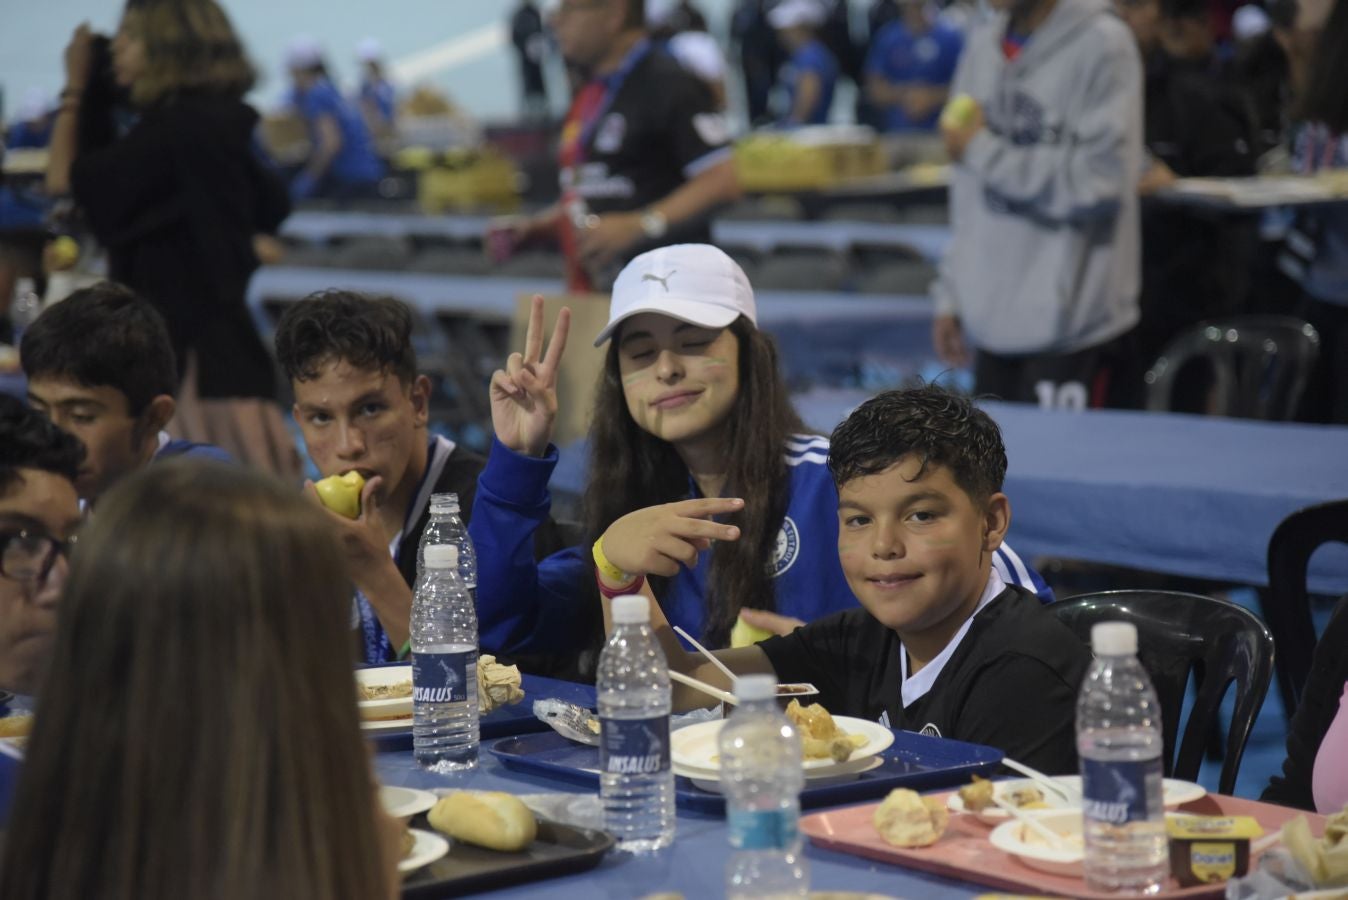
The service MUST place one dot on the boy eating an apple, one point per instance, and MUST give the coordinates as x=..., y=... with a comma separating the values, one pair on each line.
x=363, y=410
x=941, y=644
x=100, y=365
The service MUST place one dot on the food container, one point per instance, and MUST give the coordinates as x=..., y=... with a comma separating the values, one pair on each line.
x=805, y=693
x=1207, y=849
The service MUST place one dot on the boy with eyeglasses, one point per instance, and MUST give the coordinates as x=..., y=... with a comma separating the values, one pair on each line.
x=39, y=511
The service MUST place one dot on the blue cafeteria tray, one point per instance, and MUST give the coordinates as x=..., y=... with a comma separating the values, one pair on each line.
x=912, y=761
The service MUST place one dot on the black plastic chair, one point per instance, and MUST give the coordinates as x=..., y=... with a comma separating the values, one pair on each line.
x=1286, y=604
x=1260, y=365
x=1179, y=634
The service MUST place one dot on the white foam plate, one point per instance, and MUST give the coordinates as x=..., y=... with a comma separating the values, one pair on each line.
x=379, y=710
x=1022, y=842
x=695, y=747
x=1174, y=793
x=403, y=803
x=843, y=773
x=427, y=847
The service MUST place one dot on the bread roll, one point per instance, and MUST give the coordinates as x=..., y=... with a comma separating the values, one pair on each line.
x=491, y=819
x=907, y=819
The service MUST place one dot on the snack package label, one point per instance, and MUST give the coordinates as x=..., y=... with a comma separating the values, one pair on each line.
x=763, y=829
x=1116, y=792
x=634, y=746
x=1213, y=862
x=444, y=677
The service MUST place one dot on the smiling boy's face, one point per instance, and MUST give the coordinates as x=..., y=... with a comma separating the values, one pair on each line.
x=916, y=551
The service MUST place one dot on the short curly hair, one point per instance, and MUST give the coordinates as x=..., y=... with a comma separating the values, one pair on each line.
x=936, y=425
x=29, y=440
x=373, y=333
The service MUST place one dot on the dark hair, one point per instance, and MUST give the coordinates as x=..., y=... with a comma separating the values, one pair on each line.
x=630, y=469
x=186, y=690
x=332, y=326
x=104, y=336
x=29, y=440
x=1326, y=99
x=937, y=425
x=636, y=14
x=1178, y=10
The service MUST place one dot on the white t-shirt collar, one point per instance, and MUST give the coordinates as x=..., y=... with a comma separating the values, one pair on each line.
x=916, y=687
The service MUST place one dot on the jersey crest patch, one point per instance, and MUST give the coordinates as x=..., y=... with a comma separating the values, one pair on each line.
x=930, y=730
x=787, y=549
x=609, y=137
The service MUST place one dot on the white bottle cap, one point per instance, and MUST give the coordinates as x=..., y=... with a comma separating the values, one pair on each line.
x=631, y=609
x=755, y=687
x=1114, y=639
x=445, y=503
x=442, y=556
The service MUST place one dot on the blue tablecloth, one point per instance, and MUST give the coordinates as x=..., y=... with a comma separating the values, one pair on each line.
x=694, y=865
x=1184, y=495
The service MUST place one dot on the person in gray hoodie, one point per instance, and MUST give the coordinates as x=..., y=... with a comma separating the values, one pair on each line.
x=1043, y=269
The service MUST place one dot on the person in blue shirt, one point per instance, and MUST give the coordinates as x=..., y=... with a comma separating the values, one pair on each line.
x=343, y=163
x=811, y=71
x=909, y=67
x=31, y=129
x=377, y=98
x=101, y=366
x=703, y=481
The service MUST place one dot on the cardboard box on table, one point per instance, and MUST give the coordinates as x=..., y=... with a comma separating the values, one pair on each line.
x=582, y=362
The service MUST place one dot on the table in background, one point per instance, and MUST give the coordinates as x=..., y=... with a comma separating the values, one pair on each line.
x=1183, y=495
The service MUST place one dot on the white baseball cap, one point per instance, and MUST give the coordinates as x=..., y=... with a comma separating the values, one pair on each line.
x=369, y=50
x=792, y=13
x=304, y=52
x=694, y=283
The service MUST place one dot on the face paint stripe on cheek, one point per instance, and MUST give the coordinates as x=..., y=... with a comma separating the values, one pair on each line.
x=636, y=378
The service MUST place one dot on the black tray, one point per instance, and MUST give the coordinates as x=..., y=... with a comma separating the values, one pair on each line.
x=558, y=850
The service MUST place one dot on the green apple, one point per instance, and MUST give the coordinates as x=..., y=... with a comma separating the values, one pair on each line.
x=746, y=635
x=959, y=112
x=341, y=493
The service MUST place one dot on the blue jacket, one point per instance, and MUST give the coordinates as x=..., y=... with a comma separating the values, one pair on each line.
x=528, y=607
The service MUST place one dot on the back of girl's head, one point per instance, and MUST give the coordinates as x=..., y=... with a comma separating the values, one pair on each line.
x=938, y=426
x=189, y=45
x=197, y=735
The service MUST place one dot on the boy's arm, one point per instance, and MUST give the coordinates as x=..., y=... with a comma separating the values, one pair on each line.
x=1087, y=172
x=742, y=661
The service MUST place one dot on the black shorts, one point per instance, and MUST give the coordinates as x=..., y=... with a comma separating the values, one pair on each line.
x=1076, y=380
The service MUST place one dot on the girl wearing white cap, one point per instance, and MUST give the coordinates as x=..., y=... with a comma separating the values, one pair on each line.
x=703, y=481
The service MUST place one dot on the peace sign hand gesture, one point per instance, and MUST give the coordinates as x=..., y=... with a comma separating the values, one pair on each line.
x=524, y=395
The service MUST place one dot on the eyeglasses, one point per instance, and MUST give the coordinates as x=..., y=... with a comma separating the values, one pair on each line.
x=29, y=555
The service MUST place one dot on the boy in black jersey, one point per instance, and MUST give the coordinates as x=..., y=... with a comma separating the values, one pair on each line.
x=941, y=645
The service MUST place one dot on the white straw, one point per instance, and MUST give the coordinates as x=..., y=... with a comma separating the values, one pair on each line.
x=707, y=653
x=702, y=686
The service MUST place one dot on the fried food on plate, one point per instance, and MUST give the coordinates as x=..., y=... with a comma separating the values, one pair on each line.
x=976, y=797
x=820, y=736
x=16, y=726
x=907, y=819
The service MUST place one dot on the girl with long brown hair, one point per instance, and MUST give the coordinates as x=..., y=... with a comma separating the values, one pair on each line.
x=197, y=735
x=702, y=478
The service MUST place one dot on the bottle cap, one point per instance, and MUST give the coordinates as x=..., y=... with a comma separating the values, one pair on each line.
x=755, y=687
x=442, y=556
x=631, y=609
x=1114, y=639
x=444, y=503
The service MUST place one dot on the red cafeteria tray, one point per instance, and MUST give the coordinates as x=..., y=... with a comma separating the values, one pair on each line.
x=964, y=852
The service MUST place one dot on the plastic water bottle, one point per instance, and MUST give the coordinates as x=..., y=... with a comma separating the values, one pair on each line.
x=1119, y=743
x=444, y=666
x=445, y=527
x=636, y=783
x=762, y=775
x=24, y=308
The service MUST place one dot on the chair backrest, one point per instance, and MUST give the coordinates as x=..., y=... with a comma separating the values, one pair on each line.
x=1286, y=604
x=1179, y=635
x=1260, y=365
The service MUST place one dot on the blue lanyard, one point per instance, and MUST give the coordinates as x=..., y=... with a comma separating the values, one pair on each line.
x=613, y=83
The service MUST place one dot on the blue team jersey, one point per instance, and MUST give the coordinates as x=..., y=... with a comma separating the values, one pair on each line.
x=380, y=95
x=900, y=57
x=356, y=161
x=812, y=57
x=528, y=607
